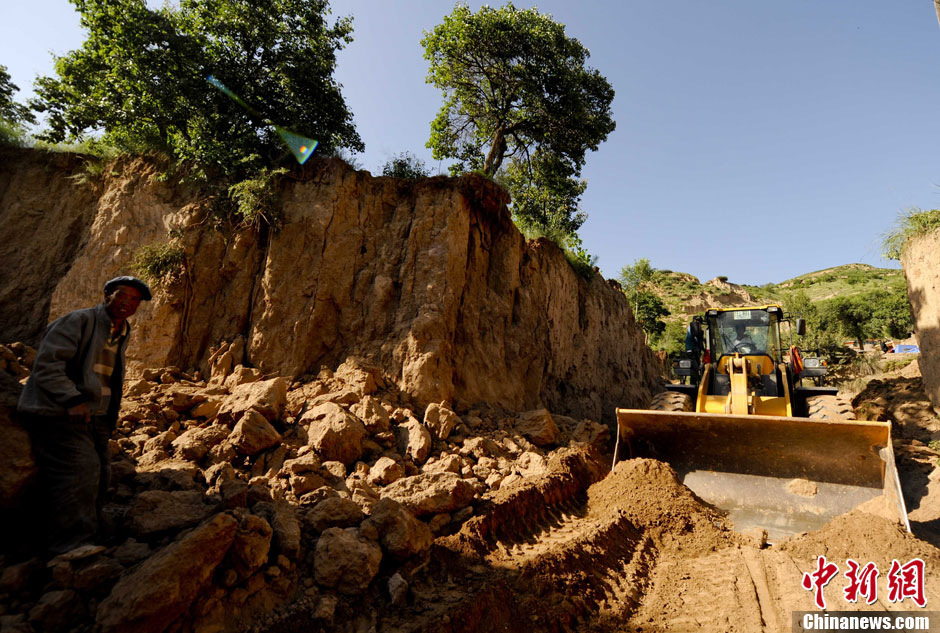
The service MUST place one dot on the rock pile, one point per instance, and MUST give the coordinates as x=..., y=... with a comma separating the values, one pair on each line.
x=234, y=496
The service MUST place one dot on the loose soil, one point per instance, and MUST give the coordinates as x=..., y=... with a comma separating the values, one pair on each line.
x=583, y=548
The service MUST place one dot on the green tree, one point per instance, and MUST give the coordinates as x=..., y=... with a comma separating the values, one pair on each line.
x=852, y=314
x=891, y=313
x=516, y=87
x=10, y=111
x=13, y=115
x=405, y=165
x=633, y=277
x=140, y=76
x=649, y=313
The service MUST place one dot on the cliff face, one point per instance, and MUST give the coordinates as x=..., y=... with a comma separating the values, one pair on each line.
x=921, y=261
x=430, y=280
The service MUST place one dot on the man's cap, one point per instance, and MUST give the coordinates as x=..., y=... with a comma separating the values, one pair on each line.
x=698, y=317
x=133, y=282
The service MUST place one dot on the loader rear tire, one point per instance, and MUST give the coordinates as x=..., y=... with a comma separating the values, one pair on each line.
x=829, y=408
x=671, y=401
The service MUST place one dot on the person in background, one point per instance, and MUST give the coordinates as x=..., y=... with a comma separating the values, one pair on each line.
x=695, y=345
x=70, y=406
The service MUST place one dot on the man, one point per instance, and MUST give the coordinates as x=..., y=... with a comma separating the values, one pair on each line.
x=70, y=406
x=694, y=345
x=743, y=343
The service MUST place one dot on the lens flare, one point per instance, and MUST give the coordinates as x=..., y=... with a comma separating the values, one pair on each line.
x=300, y=146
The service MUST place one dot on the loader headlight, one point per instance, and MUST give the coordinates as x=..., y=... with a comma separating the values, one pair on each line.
x=810, y=362
x=685, y=364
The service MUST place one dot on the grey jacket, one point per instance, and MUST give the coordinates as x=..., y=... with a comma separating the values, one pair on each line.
x=63, y=374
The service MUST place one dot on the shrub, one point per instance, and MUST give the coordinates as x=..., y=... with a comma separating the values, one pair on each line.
x=159, y=264
x=256, y=199
x=405, y=165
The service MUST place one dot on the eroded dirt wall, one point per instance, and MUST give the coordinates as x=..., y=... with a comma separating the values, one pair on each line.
x=921, y=261
x=46, y=211
x=428, y=279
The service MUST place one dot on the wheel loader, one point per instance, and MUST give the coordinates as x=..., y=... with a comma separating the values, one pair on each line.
x=750, y=439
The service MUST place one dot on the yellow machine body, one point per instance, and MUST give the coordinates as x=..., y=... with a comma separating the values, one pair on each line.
x=758, y=456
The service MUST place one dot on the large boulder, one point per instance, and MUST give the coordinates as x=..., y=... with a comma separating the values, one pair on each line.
x=335, y=433
x=401, y=534
x=431, y=493
x=345, y=560
x=151, y=597
x=921, y=260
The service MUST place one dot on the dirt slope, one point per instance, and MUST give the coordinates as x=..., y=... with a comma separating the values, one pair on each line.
x=429, y=280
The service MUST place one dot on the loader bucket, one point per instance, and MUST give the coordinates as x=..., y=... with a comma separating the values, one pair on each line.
x=785, y=475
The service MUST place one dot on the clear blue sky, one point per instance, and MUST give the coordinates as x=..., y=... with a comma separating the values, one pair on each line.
x=756, y=140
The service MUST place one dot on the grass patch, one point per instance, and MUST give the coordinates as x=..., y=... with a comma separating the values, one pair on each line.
x=910, y=224
x=895, y=365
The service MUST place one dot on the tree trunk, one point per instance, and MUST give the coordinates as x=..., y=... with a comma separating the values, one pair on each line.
x=495, y=156
x=936, y=5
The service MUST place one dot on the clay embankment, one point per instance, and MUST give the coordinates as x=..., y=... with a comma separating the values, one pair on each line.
x=429, y=281
x=921, y=261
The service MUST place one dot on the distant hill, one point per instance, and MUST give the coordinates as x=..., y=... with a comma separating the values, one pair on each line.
x=684, y=295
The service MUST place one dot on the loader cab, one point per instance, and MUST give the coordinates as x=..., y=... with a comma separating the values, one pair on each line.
x=754, y=335
x=750, y=332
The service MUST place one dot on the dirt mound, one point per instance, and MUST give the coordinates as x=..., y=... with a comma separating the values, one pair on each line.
x=859, y=535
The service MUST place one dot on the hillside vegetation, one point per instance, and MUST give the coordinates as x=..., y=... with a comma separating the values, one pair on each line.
x=842, y=302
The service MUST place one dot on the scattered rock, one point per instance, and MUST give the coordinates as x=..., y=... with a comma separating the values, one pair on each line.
x=346, y=561
x=414, y=440
x=538, y=427
x=253, y=433
x=401, y=534
x=267, y=397
x=440, y=420
x=431, y=493
x=335, y=433
x=385, y=471
x=334, y=512
x=157, y=511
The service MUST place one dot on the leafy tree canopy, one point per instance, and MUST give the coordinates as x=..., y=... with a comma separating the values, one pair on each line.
x=140, y=78
x=517, y=88
x=633, y=275
x=11, y=111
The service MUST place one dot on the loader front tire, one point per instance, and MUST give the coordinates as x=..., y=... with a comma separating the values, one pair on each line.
x=671, y=401
x=829, y=408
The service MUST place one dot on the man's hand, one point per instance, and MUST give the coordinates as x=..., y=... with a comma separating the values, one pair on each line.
x=80, y=413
